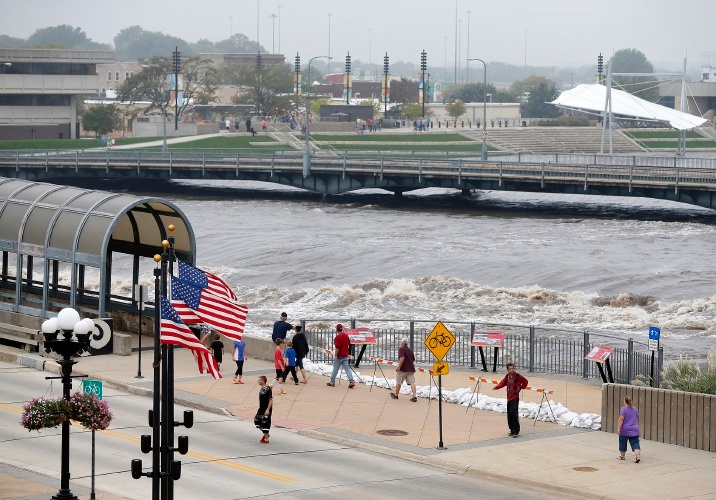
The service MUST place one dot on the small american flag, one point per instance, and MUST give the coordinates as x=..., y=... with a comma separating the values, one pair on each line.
x=220, y=313
x=205, y=280
x=175, y=332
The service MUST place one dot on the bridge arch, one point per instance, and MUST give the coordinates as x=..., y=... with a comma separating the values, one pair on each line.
x=47, y=230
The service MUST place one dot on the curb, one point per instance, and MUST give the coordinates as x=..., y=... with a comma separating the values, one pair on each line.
x=446, y=464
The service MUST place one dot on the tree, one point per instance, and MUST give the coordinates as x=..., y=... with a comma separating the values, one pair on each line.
x=455, y=108
x=536, y=92
x=411, y=110
x=268, y=87
x=11, y=42
x=634, y=61
x=102, y=119
x=373, y=103
x=473, y=92
x=63, y=36
x=238, y=44
x=134, y=44
x=197, y=83
x=403, y=90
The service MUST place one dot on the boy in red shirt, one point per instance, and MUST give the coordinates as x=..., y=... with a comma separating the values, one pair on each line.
x=515, y=383
x=280, y=366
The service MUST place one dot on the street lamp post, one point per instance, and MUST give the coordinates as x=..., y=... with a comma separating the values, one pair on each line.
x=164, y=110
x=307, y=151
x=66, y=324
x=483, y=155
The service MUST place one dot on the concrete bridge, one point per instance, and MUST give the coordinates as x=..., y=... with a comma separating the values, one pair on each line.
x=686, y=180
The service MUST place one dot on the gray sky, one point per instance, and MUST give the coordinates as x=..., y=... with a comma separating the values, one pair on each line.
x=554, y=32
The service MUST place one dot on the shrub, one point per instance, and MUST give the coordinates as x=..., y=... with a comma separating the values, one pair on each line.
x=690, y=377
x=90, y=412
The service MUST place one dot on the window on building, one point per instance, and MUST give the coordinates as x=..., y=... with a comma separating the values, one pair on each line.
x=131, y=74
x=711, y=102
x=109, y=75
x=126, y=75
x=668, y=101
x=705, y=77
x=116, y=75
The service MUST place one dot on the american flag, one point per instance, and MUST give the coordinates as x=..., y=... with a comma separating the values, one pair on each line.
x=220, y=313
x=205, y=280
x=175, y=332
x=186, y=313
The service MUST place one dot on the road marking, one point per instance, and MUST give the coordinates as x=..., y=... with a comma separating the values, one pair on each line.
x=193, y=454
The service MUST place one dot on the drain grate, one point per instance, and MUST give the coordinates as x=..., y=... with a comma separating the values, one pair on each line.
x=585, y=469
x=391, y=432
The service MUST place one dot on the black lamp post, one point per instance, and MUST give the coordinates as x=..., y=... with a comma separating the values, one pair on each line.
x=386, y=70
x=66, y=324
x=423, y=67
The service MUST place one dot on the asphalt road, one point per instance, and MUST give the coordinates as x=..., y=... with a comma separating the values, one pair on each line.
x=225, y=460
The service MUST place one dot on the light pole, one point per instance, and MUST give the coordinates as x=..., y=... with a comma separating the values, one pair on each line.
x=279, y=29
x=483, y=155
x=329, y=44
x=307, y=151
x=273, y=33
x=467, y=66
x=66, y=323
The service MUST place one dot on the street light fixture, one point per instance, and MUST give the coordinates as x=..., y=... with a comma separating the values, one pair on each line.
x=483, y=155
x=75, y=340
x=307, y=151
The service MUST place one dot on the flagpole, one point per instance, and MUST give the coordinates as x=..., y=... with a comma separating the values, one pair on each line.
x=165, y=423
x=156, y=405
x=170, y=370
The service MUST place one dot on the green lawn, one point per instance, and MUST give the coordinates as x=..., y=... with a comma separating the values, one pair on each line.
x=235, y=142
x=473, y=147
x=674, y=144
x=379, y=137
x=69, y=143
x=660, y=134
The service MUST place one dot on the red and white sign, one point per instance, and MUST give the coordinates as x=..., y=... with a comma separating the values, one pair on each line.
x=361, y=335
x=494, y=338
x=600, y=353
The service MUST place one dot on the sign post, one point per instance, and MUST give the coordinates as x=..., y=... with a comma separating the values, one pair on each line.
x=92, y=387
x=493, y=338
x=600, y=354
x=654, y=335
x=140, y=295
x=439, y=343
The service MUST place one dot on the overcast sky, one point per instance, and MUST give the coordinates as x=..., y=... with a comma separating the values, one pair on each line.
x=553, y=32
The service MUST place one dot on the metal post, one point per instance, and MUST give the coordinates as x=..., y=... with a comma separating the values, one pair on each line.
x=532, y=348
x=472, y=347
x=585, y=362
x=141, y=308
x=440, y=411
x=156, y=402
x=65, y=493
x=630, y=361
x=307, y=150
x=483, y=153
x=412, y=334
x=92, y=493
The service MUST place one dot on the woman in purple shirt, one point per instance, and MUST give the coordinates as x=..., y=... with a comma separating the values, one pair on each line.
x=628, y=430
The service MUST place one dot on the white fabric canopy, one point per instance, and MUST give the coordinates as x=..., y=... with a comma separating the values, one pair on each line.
x=591, y=97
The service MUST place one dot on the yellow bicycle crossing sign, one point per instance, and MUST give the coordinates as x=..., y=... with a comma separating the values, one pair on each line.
x=439, y=341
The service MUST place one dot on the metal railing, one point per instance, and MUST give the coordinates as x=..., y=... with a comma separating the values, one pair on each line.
x=537, y=349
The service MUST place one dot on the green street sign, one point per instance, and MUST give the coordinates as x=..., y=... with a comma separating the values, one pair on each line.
x=92, y=387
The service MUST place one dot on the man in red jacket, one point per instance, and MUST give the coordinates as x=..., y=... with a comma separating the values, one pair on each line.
x=515, y=383
x=342, y=343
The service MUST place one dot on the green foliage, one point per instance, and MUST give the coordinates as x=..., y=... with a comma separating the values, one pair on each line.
x=269, y=88
x=102, y=119
x=689, y=377
x=634, y=61
x=455, y=108
x=403, y=91
x=41, y=413
x=395, y=138
x=9, y=42
x=198, y=81
x=536, y=92
x=473, y=92
x=57, y=144
x=374, y=104
x=63, y=36
x=412, y=110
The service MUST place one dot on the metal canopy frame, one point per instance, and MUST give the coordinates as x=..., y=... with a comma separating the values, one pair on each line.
x=80, y=227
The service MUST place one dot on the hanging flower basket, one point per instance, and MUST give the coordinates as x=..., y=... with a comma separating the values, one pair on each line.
x=90, y=412
x=41, y=413
x=85, y=409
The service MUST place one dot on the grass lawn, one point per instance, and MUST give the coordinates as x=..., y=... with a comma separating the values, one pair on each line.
x=660, y=134
x=674, y=144
x=379, y=137
x=235, y=142
x=70, y=143
x=457, y=148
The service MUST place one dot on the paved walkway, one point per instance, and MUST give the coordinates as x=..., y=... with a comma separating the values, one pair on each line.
x=571, y=461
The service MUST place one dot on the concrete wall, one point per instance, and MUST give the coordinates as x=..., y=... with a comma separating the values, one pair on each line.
x=681, y=418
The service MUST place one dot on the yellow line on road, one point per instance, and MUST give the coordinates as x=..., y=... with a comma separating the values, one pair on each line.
x=192, y=454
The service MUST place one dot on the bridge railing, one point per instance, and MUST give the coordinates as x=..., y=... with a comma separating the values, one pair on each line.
x=532, y=348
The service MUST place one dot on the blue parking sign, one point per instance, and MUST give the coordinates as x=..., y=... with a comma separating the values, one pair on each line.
x=654, y=332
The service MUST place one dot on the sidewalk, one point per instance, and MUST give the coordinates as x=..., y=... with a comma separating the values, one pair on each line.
x=572, y=461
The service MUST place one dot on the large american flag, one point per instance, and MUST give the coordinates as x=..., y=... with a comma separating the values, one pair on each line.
x=225, y=316
x=175, y=332
x=205, y=280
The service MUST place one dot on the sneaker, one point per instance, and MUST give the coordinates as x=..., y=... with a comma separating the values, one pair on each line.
x=351, y=385
x=282, y=391
x=413, y=399
x=330, y=385
x=304, y=381
x=236, y=382
x=392, y=395
x=264, y=441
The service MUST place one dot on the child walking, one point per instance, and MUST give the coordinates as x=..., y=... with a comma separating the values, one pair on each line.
x=239, y=357
x=290, y=357
x=280, y=365
x=217, y=346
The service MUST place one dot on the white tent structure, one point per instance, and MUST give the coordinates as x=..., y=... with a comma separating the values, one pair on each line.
x=592, y=98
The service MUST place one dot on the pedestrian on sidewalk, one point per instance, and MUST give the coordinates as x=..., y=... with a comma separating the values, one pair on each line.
x=228, y=124
x=628, y=430
x=236, y=124
x=279, y=365
x=515, y=383
x=281, y=327
x=405, y=371
x=300, y=345
x=290, y=359
x=262, y=420
x=217, y=346
x=263, y=125
x=248, y=124
x=342, y=344
x=239, y=357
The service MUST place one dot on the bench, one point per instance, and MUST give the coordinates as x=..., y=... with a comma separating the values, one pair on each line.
x=28, y=338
